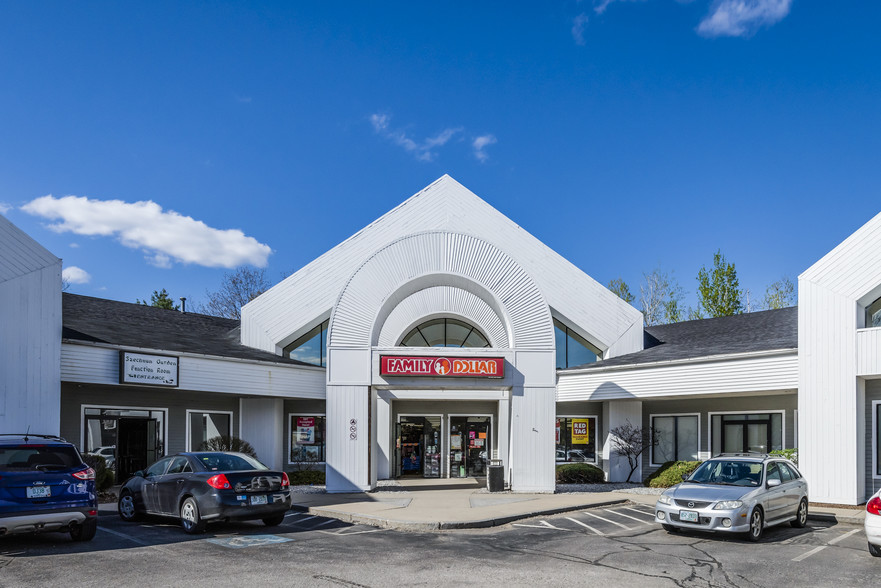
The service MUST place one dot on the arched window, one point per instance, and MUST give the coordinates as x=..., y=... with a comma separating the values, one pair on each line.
x=445, y=332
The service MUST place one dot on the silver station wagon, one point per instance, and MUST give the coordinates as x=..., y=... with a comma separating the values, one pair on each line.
x=736, y=493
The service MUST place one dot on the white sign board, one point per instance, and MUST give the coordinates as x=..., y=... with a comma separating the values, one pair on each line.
x=153, y=370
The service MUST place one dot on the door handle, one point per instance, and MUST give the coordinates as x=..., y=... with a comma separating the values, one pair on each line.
x=180, y=481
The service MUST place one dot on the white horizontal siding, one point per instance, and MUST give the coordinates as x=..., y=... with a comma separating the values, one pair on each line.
x=20, y=254
x=869, y=352
x=100, y=365
x=734, y=375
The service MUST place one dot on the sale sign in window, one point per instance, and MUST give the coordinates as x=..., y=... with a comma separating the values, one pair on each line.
x=579, y=431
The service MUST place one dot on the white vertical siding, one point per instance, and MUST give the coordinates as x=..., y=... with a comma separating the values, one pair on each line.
x=869, y=352
x=532, y=431
x=262, y=425
x=621, y=412
x=348, y=459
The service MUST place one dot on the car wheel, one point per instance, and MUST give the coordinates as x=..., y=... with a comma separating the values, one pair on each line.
x=875, y=550
x=84, y=532
x=126, y=507
x=190, y=519
x=801, y=517
x=756, y=525
x=274, y=521
x=670, y=528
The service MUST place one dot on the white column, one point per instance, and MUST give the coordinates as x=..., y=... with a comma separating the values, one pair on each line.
x=348, y=438
x=262, y=425
x=383, y=436
x=532, y=422
x=620, y=413
x=504, y=420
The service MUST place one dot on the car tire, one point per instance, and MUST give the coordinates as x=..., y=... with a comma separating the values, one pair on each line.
x=756, y=525
x=190, y=519
x=85, y=531
x=126, y=507
x=874, y=550
x=670, y=528
x=801, y=516
x=274, y=520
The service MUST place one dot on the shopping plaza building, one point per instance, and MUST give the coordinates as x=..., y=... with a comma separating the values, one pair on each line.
x=439, y=338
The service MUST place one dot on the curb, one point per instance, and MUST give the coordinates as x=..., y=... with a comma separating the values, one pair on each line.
x=384, y=523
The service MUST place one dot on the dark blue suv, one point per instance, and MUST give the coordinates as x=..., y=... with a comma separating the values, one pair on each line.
x=45, y=486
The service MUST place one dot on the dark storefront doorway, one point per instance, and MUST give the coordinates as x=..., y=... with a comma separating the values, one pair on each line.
x=417, y=446
x=470, y=445
x=128, y=439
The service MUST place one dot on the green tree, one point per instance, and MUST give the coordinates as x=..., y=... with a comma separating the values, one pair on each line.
x=160, y=299
x=780, y=294
x=619, y=286
x=718, y=289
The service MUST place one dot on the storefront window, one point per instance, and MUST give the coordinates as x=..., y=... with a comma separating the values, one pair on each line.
x=572, y=348
x=207, y=425
x=128, y=439
x=576, y=439
x=445, y=332
x=741, y=433
x=307, y=439
x=677, y=438
x=873, y=314
x=310, y=348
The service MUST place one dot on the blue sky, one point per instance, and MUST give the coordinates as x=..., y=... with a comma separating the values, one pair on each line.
x=624, y=134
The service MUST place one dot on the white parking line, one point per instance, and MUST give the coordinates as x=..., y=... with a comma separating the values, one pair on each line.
x=810, y=553
x=842, y=537
x=345, y=532
x=621, y=514
x=642, y=512
x=307, y=519
x=541, y=525
x=327, y=522
x=124, y=536
x=590, y=514
x=577, y=522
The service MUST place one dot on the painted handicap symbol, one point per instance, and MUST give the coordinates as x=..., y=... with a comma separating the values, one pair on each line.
x=249, y=541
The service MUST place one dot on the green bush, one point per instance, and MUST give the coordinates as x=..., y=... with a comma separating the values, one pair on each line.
x=670, y=473
x=306, y=477
x=103, y=476
x=579, y=473
x=790, y=454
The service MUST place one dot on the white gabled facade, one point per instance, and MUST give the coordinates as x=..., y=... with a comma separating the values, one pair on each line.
x=30, y=334
x=838, y=357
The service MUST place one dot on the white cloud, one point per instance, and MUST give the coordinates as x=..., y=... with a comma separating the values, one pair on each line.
x=578, y=28
x=601, y=5
x=480, y=144
x=75, y=275
x=164, y=236
x=423, y=150
x=741, y=18
x=4, y=208
x=74, y=245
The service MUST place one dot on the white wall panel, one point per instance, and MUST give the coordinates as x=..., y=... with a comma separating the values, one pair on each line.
x=620, y=413
x=753, y=373
x=533, y=413
x=100, y=365
x=348, y=459
x=262, y=424
x=869, y=352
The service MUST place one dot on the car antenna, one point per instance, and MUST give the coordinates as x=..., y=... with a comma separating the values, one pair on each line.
x=26, y=433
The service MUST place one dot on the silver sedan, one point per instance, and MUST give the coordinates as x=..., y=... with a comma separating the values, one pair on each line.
x=736, y=493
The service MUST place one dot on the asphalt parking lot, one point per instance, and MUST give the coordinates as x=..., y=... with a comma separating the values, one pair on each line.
x=616, y=545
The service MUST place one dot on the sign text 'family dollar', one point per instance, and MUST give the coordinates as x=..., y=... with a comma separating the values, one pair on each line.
x=470, y=367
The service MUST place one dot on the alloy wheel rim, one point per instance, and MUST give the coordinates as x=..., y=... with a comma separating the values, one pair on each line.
x=188, y=515
x=757, y=524
x=803, y=512
x=127, y=506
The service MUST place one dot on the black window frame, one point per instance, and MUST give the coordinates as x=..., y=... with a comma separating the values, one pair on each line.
x=675, y=418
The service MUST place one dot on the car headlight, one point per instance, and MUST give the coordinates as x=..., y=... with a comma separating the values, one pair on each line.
x=664, y=499
x=728, y=504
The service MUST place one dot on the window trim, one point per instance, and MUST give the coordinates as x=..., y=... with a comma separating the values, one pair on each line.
x=83, y=408
x=193, y=410
x=710, y=415
x=290, y=429
x=674, y=414
x=876, y=470
x=597, y=450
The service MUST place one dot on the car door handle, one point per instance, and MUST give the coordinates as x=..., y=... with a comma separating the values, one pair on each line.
x=180, y=481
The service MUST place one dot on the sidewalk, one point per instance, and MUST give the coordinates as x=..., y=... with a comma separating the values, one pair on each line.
x=437, y=504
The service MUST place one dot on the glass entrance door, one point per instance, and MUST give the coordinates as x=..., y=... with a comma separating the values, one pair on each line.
x=470, y=445
x=417, y=446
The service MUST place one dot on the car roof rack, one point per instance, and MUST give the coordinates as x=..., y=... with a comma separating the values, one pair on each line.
x=743, y=454
x=39, y=436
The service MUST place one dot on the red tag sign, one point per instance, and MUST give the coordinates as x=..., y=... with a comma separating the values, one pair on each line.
x=470, y=367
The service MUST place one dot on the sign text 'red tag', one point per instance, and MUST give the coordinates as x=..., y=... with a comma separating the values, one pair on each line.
x=470, y=367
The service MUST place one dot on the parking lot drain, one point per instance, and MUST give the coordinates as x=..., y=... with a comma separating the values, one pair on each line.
x=248, y=541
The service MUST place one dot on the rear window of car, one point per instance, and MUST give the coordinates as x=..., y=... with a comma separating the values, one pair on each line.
x=25, y=458
x=225, y=462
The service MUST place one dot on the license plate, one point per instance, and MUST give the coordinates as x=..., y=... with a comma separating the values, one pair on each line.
x=688, y=516
x=258, y=500
x=39, y=492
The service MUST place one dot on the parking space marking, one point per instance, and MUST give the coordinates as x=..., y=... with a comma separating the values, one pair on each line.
x=586, y=526
x=808, y=554
x=321, y=524
x=346, y=532
x=249, y=541
x=642, y=512
x=621, y=514
x=590, y=514
x=843, y=537
x=306, y=519
x=541, y=525
x=123, y=535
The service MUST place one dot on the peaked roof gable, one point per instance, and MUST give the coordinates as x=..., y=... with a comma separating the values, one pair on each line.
x=19, y=253
x=296, y=304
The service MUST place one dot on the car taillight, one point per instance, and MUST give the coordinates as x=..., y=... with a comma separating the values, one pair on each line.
x=86, y=474
x=219, y=481
x=285, y=482
x=874, y=506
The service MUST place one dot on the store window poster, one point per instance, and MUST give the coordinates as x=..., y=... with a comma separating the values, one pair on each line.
x=306, y=430
x=455, y=441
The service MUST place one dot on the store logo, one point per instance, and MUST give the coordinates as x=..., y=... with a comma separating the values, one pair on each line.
x=443, y=366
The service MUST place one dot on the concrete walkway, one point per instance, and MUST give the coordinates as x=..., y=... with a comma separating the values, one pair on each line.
x=434, y=504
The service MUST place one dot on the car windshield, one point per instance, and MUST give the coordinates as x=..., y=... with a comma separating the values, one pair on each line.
x=228, y=462
x=727, y=473
x=24, y=458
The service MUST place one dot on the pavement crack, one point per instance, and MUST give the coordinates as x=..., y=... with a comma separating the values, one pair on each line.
x=340, y=581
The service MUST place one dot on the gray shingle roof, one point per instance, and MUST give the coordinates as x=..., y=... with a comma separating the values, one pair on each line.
x=125, y=324
x=755, y=331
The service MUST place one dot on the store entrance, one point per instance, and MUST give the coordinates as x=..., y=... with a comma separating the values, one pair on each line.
x=470, y=444
x=137, y=445
x=129, y=439
x=417, y=447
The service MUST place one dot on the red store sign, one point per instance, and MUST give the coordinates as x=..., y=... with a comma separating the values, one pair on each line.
x=470, y=367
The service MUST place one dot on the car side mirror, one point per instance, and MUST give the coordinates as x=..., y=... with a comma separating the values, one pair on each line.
x=684, y=477
x=774, y=482
x=138, y=474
